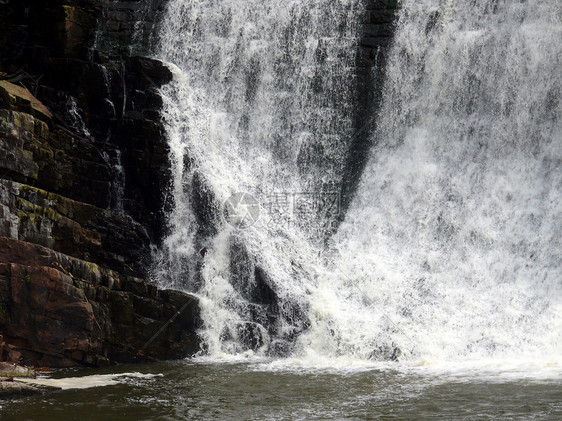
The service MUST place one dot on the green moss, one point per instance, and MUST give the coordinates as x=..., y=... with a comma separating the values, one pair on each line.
x=29, y=189
x=24, y=121
x=41, y=129
x=34, y=213
x=68, y=11
x=60, y=155
x=18, y=372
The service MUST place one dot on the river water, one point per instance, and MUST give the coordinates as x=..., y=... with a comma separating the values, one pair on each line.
x=293, y=390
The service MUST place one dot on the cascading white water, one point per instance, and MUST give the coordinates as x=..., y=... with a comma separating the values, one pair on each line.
x=451, y=248
x=262, y=103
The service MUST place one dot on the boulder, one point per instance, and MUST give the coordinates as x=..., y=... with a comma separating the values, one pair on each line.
x=206, y=206
x=155, y=73
x=12, y=389
x=8, y=370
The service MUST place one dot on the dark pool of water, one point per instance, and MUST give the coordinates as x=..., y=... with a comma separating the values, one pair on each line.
x=187, y=390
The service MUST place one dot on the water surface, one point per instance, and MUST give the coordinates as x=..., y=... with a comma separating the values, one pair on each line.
x=291, y=390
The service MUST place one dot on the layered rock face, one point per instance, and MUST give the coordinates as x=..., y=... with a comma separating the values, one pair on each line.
x=83, y=174
x=57, y=310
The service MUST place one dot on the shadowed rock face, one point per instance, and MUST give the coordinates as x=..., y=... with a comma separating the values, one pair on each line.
x=101, y=236
x=83, y=171
x=378, y=31
x=94, y=133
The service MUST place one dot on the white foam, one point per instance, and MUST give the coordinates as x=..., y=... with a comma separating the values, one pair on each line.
x=242, y=108
x=451, y=249
x=86, y=382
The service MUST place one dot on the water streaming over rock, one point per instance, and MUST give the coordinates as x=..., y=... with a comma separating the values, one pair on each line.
x=262, y=103
x=451, y=248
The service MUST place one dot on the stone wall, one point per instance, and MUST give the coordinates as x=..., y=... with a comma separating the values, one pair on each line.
x=83, y=175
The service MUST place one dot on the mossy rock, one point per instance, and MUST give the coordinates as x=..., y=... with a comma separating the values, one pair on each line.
x=19, y=98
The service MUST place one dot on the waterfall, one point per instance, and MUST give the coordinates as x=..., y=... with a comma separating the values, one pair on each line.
x=450, y=249
x=261, y=109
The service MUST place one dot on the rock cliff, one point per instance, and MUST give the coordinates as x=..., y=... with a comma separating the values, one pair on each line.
x=83, y=174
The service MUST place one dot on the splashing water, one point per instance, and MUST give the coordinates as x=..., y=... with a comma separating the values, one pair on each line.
x=262, y=103
x=451, y=248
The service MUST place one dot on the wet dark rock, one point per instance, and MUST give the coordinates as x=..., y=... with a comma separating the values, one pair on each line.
x=251, y=335
x=386, y=353
x=249, y=279
x=263, y=292
x=205, y=206
x=83, y=173
x=152, y=72
x=280, y=348
x=282, y=318
x=242, y=268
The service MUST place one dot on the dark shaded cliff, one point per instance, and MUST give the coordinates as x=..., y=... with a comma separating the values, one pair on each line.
x=75, y=57
x=83, y=171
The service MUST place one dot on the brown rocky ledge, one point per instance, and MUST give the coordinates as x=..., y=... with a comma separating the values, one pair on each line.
x=60, y=311
x=11, y=386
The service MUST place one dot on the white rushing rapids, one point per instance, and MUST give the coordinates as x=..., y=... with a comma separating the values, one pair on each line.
x=450, y=250
x=454, y=235
x=261, y=104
